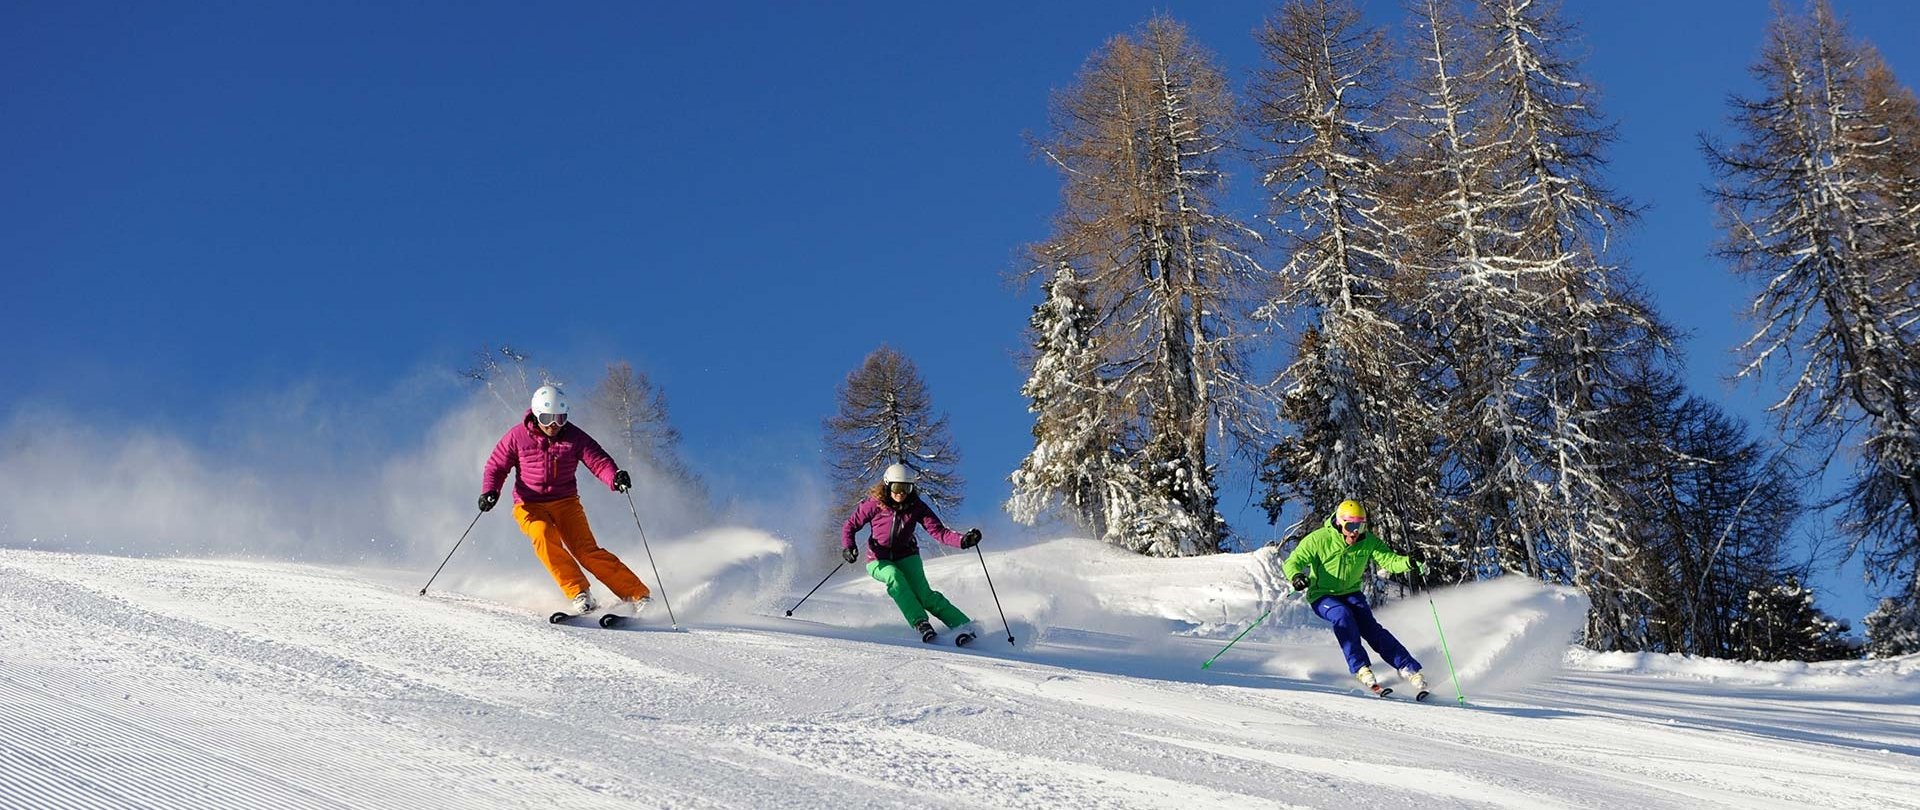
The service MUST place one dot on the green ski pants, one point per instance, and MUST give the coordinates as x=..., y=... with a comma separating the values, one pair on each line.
x=906, y=581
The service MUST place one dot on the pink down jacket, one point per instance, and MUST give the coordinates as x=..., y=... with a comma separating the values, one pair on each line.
x=892, y=537
x=546, y=466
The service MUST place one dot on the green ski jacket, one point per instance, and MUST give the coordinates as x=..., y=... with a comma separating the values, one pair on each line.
x=1335, y=568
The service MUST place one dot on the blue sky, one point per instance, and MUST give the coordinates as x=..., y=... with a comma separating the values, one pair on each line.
x=326, y=208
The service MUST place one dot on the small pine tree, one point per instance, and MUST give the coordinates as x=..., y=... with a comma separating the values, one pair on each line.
x=1782, y=624
x=886, y=417
x=1893, y=629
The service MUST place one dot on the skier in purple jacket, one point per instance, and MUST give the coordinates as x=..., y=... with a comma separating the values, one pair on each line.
x=893, y=557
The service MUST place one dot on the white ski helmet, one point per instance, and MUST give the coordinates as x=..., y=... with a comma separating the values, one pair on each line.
x=549, y=401
x=900, y=474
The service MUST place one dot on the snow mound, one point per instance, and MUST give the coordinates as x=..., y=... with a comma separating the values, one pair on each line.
x=1892, y=676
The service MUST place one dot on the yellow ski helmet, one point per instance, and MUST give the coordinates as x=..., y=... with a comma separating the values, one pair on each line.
x=1350, y=517
x=1350, y=511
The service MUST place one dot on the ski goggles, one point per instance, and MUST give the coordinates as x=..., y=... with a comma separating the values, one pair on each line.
x=1353, y=526
x=551, y=419
x=901, y=488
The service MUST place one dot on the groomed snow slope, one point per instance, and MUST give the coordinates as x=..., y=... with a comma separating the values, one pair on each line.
x=218, y=684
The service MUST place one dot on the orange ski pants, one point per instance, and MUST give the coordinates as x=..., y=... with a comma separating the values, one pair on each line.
x=561, y=536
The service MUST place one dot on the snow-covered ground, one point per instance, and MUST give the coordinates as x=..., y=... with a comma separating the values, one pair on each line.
x=170, y=683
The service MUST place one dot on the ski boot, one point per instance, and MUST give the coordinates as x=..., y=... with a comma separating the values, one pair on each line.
x=926, y=631
x=1367, y=679
x=583, y=604
x=578, y=606
x=1418, y=680
x=624, y=610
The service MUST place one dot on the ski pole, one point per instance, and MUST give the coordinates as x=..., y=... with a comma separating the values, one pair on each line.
x=456, y=547
x=823, y=581
x=1457, y=694
x=1236, y=639
x=996, y=595
x=650, y=563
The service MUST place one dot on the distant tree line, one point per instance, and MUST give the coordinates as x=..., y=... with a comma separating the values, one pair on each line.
x=1462, y=349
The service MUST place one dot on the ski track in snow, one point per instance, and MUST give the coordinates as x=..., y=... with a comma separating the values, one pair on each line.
x=124, y=687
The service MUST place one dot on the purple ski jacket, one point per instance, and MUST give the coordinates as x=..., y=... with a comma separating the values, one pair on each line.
x=546, y=465
x=892, y=537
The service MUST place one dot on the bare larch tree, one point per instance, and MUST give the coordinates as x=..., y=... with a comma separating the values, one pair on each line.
x=1138, y=140
x=1816, y=206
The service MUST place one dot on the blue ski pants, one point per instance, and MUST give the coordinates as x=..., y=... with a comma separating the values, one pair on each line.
x=1352, y=622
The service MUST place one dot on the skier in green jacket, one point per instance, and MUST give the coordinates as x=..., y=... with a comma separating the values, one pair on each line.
x=1329, y=564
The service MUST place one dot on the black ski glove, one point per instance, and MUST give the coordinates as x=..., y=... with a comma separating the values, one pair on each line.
x=622, y=481
x=972, y=539
x=488, y=499
x=849, y=553
x=1300, y=581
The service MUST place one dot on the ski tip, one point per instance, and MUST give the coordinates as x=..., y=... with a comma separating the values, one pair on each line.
x=558, y=617
x=611, y=620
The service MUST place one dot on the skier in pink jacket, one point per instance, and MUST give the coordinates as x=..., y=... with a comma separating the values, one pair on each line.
x=546, y=450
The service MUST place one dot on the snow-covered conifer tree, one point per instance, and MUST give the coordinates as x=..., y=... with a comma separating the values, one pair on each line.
x=1782, y=624
x=1076, y=466
x=1893, y=629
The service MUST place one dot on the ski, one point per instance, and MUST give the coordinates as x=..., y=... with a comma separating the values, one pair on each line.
x=1381, y=691
x=613, y=615
x=1422, y=697
x=963, y=639
x=605, y=619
